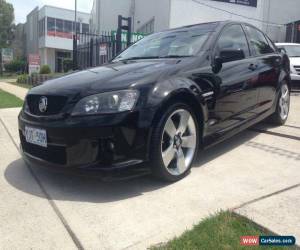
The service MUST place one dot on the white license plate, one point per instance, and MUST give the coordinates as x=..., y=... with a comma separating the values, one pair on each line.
x=36, y=136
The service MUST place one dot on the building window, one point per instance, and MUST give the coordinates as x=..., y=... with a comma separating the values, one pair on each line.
x=42, y=27
x=85, y=28
x=147, y=28
x=62, y=28
x=68, y=27
x=77, y=27
x=50, y=26
x=59, y=25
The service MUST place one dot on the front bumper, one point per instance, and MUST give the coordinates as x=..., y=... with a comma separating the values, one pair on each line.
x=106, y=142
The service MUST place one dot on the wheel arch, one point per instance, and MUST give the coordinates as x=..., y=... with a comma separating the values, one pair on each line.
x=197, y=105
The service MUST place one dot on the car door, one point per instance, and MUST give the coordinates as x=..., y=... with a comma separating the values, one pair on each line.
x=237, y=96
x=268, y=67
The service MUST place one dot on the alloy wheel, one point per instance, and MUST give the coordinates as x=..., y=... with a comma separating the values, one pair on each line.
x=179, y=141
x=284, y=102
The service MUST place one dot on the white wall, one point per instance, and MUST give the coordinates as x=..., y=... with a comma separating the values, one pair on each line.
x=105, y=14
x=58, y=43
x=186, y=12
x=145, y=10
x=281, y=12
x=95, y=17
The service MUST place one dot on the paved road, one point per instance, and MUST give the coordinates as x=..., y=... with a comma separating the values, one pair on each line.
x=256, y=172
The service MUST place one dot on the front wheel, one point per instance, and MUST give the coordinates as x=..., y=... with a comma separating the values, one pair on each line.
x=175, y=142
x=283, y=106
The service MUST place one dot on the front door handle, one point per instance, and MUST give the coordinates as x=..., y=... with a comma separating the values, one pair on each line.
x=253, y=66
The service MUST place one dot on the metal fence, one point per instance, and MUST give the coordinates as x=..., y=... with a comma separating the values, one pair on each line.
x=94, y=50
x=90, y=50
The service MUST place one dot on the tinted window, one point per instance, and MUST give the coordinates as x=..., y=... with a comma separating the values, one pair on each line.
x=258, y=41
x=68, y=26
x=177, y=43
x=271, y=44
x=77, y=27
x=59, y=25
x=50, y=24
x=232, y=44
x=85, y=28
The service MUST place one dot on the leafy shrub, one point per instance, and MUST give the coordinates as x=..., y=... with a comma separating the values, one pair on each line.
x=68, y=65
x=15, y=66
x=22, y=79
x=45, y=69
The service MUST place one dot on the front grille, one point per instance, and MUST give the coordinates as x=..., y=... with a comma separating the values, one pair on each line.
x=54, y=154
x=54, y=104
x=297, y=68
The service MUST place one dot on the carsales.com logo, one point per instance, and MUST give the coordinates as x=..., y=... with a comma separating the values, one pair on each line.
x=267, y=240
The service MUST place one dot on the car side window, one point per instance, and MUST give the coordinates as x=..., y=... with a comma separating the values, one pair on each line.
x=271, y=44
x=258, y=41
x=232, y=44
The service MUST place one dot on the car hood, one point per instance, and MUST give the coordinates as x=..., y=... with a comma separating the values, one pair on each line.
x=295, y=61
x=110, y=77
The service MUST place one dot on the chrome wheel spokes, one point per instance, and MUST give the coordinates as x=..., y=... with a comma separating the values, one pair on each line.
x=284, y=102
x=179, y=141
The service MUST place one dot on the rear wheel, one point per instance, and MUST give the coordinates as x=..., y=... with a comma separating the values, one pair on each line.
x=283, y=106
x=175, y=143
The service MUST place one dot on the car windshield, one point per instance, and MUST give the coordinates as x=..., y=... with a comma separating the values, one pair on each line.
x=292, y=50
x=181, y=43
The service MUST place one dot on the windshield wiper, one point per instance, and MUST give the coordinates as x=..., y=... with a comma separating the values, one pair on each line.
x=175, y=56
x=139, y=57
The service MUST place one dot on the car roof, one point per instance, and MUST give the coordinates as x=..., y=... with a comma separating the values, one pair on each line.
x=210, y=26
x=286, y=44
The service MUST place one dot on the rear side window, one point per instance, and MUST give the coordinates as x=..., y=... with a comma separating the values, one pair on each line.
x=232, y=44
x=258, y=41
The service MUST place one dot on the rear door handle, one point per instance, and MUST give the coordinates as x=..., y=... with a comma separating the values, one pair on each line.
x=253, y=66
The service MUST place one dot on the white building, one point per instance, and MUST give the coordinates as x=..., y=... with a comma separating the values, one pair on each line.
x=151, y=16
x=49, y=33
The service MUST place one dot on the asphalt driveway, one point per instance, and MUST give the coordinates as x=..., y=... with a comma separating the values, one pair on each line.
x=257, y=173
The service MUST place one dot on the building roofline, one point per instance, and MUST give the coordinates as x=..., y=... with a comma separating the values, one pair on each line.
x=32, y=11
x=55, y=7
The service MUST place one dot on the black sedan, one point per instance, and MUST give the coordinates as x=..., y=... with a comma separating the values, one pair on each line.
x=159, y=101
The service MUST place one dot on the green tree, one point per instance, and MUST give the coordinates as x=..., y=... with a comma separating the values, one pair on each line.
x=6, y=23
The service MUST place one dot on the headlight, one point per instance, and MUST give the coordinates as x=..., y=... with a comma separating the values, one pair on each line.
x=26, y=106
x=106, y=103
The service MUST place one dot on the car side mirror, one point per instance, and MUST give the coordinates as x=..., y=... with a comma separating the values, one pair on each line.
x=217, y=64
x=230, y=55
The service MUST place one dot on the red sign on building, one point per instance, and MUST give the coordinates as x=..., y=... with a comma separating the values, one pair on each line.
x=34, y=59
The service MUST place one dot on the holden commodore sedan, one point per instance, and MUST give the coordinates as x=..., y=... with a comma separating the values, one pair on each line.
x=158, y=101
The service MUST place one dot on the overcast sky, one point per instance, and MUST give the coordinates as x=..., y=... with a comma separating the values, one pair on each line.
x=23, y=7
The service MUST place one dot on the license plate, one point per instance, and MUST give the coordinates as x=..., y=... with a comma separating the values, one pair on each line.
x=36, y=136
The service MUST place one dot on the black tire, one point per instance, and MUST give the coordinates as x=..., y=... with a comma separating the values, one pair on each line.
x=156, y=160
x=277, y=118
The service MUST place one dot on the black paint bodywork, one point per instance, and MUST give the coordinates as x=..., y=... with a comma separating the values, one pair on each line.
x=225, y=102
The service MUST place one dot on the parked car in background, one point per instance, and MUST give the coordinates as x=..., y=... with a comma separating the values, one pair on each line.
x=158, y=101
x=293, y=51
